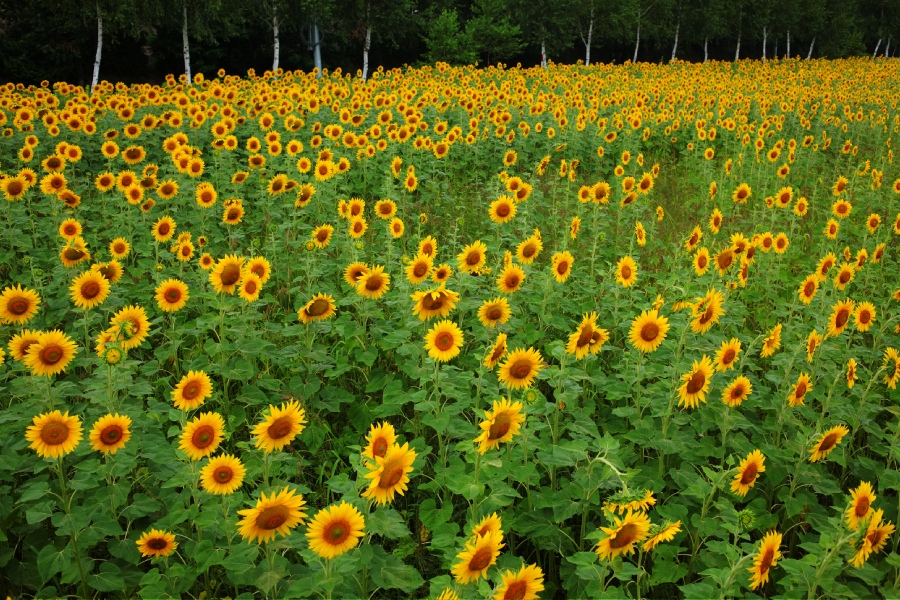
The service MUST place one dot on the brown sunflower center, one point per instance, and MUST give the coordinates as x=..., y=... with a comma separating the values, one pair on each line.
x=707, y=316
x=737, y=392
x=203, y=437
x=427, y=249
x=511, y=281
x=191, y=390
x=391, y=475
x=728, y=357
x=809, y=288
x=766, y=562
x=862, y=507
x=521, y=369
x=223, y=474
x=429, y=302
x=379, y=446
x=649, y=332
x=516, y=590
x=500, y=426
x=563, y=267
x=90, y=290
x=473, y=258
x=374, y=284
x=250, y=287
x=322, y=235
x=864, y=317
x=696, y=382
x=18, y=306
x=693, y=240
x=172, y=295
x=317, y=308
x=119, y=248
x=702, y=261
x=420, y=270
x=280, y=427
x=233, y=214
x=231, y=274
x=748, y=476
x=503, y=210
x=73, y=254
x=14, y=188
x=54, y=433
x=497, y=353
x=52, y=354
x=828, y=442
x=443, y=341
x=157, y=544
x=725, y=259
x=529, y=250
x=626, y=535
x=587, y=334
x=842, y=317
x=626, y=272
x=801, y=390
x=844, y=277
x=481, y=560
x=111, y=434
x=337, y=532
x=272, y=517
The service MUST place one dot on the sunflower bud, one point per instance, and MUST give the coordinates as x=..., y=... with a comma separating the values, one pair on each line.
x=746, y=519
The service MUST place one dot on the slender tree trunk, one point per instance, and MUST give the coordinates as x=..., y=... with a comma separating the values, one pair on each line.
x=543, y=54
x=96, y=77
x=276, y=33
x=637, y=42
x=587, y=44
x=737, y=51
x=811, y=44
x=675, y=46
x=887, y=48
x=317, y=49
x=184, y=42
x=877, y=46
x=789, y=43
x=765, y=35
x=706, y=49
x=366, y=52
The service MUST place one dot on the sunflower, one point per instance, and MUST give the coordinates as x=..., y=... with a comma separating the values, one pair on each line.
x=50, y=354
x=502, y=210
x=202, y=435
x=841, y=209
x=354, y=272
x=443, y=341
x=522, y=585
x=827, y=442
x=890, y=356
x=490, y=524
x=390, y=474
x=88, y=290
x=766, y=557
x=380, y=438
x=661, y=533
x=278, y=513
x=439, y=302
x=419, y=269
x=222, y=475
x=860, y=506
x=845, y=275
x=626, y=272
x=321, y=307
x=840, y=317
x=693, y=240
x=520, y=368
x=164, y=229
x=648, y=331
x=70, y=229
x=727, y=355
x=18, y=305
x=473, y=257
x=335, y=530
x=156, y=543
x=53, y=183
x=808, y=288
x=561, y=265
x=226, y=275
x=812, y=344
x=14, y=188
x=748, y=472
x=54, y=434
x=600, y=192
x=623, y=535
x=528, y=250
x=476, y=558
x=321, y=235
x=280, y=426
x=496, y=352
x=877, y=534
x=111, y=271
x=130, y=326
x=207, y=262
x=724, y=260
x=772, y=341
x=701, y=262
x=799, y=391
x=232, y=213
x=357, y=227
x=707, y=310
x=588, y=338
x=373, y=284
x=510, y=279
x=172, y=295
x=737, y=391
x=831, y=229
x=696, y=383
x=864, y=316
x=110, y=433
x=501, y=424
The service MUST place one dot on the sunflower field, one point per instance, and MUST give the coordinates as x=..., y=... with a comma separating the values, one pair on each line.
x=608, y=331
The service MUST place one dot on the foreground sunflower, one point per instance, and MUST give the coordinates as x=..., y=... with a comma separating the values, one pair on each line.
x=665, y=532
x=748, y=472
x=131, y=326
x=648, y=331
x=476, y=558
x=226, y=275
x=696, y=383
x=192, y=391
x=860, y=505
x=737, y=391
x=54, y=434
x=278, y=513
x=472, y=257
x=110, y=433
x=494, y=312
x=525, y=584
x=390, y=474
x=18, y=305
x=51, y=353
x=321, y=307
x=202, y=435
x=623, y=535
x=828, y=442
x=156, y=543
x=520, y=368
x=766, y=557
x=222, y=475
x=501, y=424
x=374, y=283
x=280, y=426
x=428, y=304
x=172, y=295
x=444, y=340
x=335, y=530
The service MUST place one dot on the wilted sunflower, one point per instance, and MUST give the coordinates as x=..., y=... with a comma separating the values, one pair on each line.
x=648, y=331
x=390, y=474
x=525, y=584
x=748, y=472
x=89, y=290
x=335, y=530
x=500, y=424
x=623, y=535
x=278, y=513
x=766, y=557
x=226, y=275
x=561, y=265
x=110, y=433
x=696, y=383
x=222, y=475
x=18, y=305
x=799, y=391
x=321, y=307
x=54, y=434
x=877, y=534
x=473, y=257
x=202, y=435
x=520, y=368
x=51, y=353
x=156, y=543
x=374, y=283
x=588, y=339
x=860, y=505
x=828, y=442
x=280, y=426
x=478, y=556
x=443, y=341
x=737, y=391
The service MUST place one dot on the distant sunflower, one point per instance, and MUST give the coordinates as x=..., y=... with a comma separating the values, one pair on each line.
x=727, y=355
x=724, y=260
x=701, y=262
x=808, y=288
x=510, y=279
x=18, y=305
x=386, y=209
x=864, y=316
x=772, y=341
x=502, y=210
x=319, y=308
x=390, y=474
x=841, y=209
x=89, y=290
x=443, y=341
x=501, y=424
x=648, y=331
x=357, y=227
x=473, y=257
x=766, y=557
x=202, y=435
x=110, y=433
x=844, y=276
x=335, y=530
x=354, y=272
x=693, y=240
x=172, y=295
x=280, y=426
x=737, y=391
x=54, y=434
x=321, y=235
x=561, y=265
x=374, y=283
x=626, y=272
x=623, y=535
x=840, y=317
x=419, y=269
x=494, y=312
x=520, y=368
x=525, y=584
x=696, y=383
x=528, y=250
x=226, y=275
x=70, y=229
x=51, y=353
x=164, y=229
x=707, y=311
x=192, y=391
x=588, y=338
x=277, y=513
x=222, y=475
x=476, y=558
x=860, y=505
x=156, y=543
x=827, y=442
x=748, y=472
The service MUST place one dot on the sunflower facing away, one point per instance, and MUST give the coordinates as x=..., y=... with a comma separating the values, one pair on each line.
x=501, y=424
x=18, y=305
x=278, y=513
x=520, y=368
x=321, y=307
x=766, y=557
x=623, y=535
x=661, y=533
x=202, y=435
x=51, y=353
x=748, y=472
x=444, y=340
x=156, y=543
x=222, y=475
x=54, y=434
x=828, y=442
x=524, y=584
x=648, y=331
x=390, y=474
x=476, y=558
x=110, y=433
x=860, y=505
x=335, y=530
x=192, y=391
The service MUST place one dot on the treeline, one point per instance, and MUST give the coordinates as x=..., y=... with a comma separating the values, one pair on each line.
x=82, y=41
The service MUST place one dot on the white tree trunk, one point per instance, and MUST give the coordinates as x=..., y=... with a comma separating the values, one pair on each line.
x=737, y=51
x=887, y=48
x=675, y=47
x=788, y=43
x=877, y=46
x=637, y=42
x=765, y=35
x=811, y=44
x=705, y=49
x=96, y=76
x=543, y=54
x=317, y=49
x=587, y=44
x=184, y=42
x=366, y=52
x=275, y=32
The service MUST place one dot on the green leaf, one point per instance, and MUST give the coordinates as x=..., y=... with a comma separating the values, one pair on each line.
x=38, y=513
x=388, y=523
x=51, y=560
x=394, y=575
x=109, y=579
